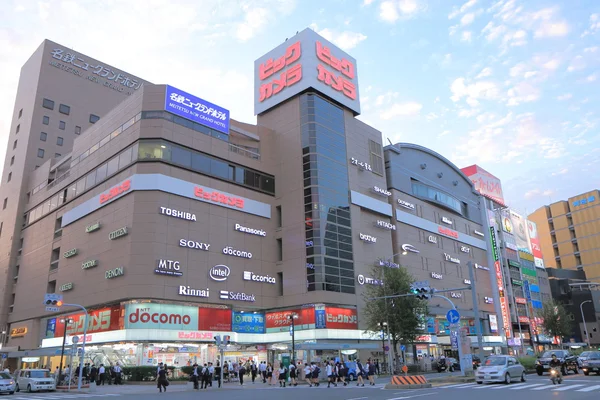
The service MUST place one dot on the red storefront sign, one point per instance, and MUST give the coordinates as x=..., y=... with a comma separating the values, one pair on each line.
x=115, y=191
x=286, y=78
x=524, y=320
x=214, y=319
x=218, y=197
x=341, y=318
x=337, y=82
x=275, y=320
x=447, y=232
x=520, y=300
x=103, y=320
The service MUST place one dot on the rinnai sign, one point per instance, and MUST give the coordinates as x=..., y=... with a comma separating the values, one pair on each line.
x=305, y=61
x=188, y=291
x=178, y=214
x=251, y=231
x=115, y=191
x=381, y=191
x=251, y=276
x=196, y=109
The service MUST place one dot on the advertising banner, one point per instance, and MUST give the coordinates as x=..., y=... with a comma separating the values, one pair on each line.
x=485, y=183
x=50, y=328
x=197, y=110
x=534, y=240
x=520, y=231
x=248, y=322
x=280, y=321
x=320, y=316
x=214, y=319
x=341, y=318
x=493, y=323
x=161, y=316
x=504, y=309
x=102, y=320
x=306, y=60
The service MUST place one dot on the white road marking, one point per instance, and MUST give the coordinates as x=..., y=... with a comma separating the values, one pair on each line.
x=456, y=386
x=358, y=398
x=566, y=387
x=545, y=387
x=589, y=389
x=507, y=386
x=526, y=386
x=410, y=397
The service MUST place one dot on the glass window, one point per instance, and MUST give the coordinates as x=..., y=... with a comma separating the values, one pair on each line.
x=239, y=175
x=54, y=203
x=125, y=158
x=151, y=150
x=90, y=180
x=46, y=120
x=46, y=208
x=105, y=140
x=59, y=141
x=61, y=197
x=267, y=184
x=84, y=155
x=64, y=109
x=181, y=156
x=116, y=132
x=94, y=118
x=41, y=153
x=112, y=166
x=57, y=155
x=219, y=169
x=101, y=173
x=200, y=163
x=12, y=160
x=77, y=130
x=80, y=187
x=49, y=104
x=128, y=123
x=71, y=191
x=43, y=136
x=62, y=125
x=94, y=148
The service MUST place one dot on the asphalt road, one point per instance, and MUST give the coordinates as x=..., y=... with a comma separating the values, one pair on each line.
x=574, y=387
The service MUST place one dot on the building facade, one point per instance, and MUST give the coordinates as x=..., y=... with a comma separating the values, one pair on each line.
x=569, y=232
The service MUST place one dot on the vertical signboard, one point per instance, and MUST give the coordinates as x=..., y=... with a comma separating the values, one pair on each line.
x=320, y=317
x=485, y=183
x=534, y=240
x=306, y=60
x=520, y=231
x=500, y=280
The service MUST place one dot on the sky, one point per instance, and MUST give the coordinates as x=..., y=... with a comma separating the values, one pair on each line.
x=511, y=85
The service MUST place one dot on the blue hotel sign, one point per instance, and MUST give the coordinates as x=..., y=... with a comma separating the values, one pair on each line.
x=197, y=110
x=582, y=202
x=248, y=322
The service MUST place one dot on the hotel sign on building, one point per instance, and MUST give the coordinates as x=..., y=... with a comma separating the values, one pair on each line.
x=305, y=61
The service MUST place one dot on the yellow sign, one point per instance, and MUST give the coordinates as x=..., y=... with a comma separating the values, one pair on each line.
x=18, y=332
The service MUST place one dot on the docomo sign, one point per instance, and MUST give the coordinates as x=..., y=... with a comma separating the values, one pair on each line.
x=307, y=60
x=161, y=316
x=115, y=191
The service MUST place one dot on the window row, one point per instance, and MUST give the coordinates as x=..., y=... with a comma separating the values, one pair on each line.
x=62, y=125
x=98, y=175
x=429, y=193
x=63, y=108
x=44, y=137
x=330, y=287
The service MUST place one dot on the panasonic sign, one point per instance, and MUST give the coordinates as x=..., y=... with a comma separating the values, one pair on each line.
x=219, y=273
x=251, y=276
x=251, y=231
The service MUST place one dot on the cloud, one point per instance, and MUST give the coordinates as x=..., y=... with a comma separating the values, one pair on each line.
x=549, y=25
x=367, y=2
x=487, y=71
x=522, y=93
x=392, y=10
x=577, y=64
x=594, y=25
x=346, y=40
x=467, y=19
x=444, y=133
x=386, y=98
x=561, y=172
x=457, y=11
x=591, y=78
x=466, y=36
x=565, y=96
x=388, y=11
x=401, y=110
x=254, y=20
x=474, y=91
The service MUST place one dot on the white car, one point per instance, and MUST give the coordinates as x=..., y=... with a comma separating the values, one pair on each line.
x=500, y=369
x=34, y=380
x=7, y=383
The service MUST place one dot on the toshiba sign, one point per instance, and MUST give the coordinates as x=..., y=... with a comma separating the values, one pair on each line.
x=306, y=60
x=161, y=316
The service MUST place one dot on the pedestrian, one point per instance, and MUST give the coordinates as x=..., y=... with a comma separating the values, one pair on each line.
x=241, y=373
x=161, y=380
x=253, y=371
x=360, y=371
x=205, y=375
x=225, y=372
x=282, y=375
x=101, y=374
x=342, y=372
x=331, y=378
x=372, y=372
x=211, y=371
x=94, y=374
x=293, y=374
x=263, y=371
x=316, y=371
x=195, y=376
x=270, y=373
x=218, y=373
x=377, y=366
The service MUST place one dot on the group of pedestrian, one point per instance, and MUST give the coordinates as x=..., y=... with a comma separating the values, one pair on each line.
x=113, y=374
x=204, y=376
x=337, y=372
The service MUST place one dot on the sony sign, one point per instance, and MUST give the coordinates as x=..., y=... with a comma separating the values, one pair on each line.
x=193, y=244
x=168, y=267
x=251, y=276
x=219, y=273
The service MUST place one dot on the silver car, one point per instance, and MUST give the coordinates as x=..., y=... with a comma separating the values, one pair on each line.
x=582, y=357
x=7, y=383
x=500, y=369
x=592, y=363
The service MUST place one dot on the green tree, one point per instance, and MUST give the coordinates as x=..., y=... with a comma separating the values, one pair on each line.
x=556, y=320
x=403, y=314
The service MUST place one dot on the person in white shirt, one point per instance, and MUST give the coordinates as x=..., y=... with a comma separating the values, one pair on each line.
x=117, y=371
x=308, y=374
x=262, y=368
x=282, y=375
x=102, y=374
x=331, y=374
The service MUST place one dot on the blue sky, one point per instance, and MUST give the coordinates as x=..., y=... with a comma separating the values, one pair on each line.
x=512, y=85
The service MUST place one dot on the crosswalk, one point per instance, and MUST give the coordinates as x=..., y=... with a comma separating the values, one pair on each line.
x=564, y=387
x=57, y=396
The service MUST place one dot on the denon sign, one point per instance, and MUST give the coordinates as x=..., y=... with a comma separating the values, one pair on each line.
x=161, y=316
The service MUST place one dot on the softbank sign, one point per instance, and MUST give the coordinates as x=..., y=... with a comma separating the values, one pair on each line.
x=161, y=316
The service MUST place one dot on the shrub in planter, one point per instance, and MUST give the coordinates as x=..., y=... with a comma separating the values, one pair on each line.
x=139, y=374
x=188, y=370
x=528, y=362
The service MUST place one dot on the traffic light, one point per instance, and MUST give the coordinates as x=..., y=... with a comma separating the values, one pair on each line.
x=422, y=292
x=218, y=340
x=226, y=339
x=53, y=300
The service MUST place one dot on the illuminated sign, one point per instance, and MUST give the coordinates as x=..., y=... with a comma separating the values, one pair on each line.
x=251, y=231
x=113, y=273
x=218, y=197
x=178, y=214
x=485, y=183
x=361, y=164
x=456, y=295
x=520, y=300
x=524, y=320
x=478, y=233
x=193, y=244
x=410, y=248
x=465, y=249
x=493, y=323
x=168, y=267
x=188, y=291
x=237, y=296
x=447, y=220
x=447, y=232
x=516, y=282
x=89, y=264
x=66, y=287
x=585, y=201
x=365, y=280
x=435, y=275
x=432, y=239
x=383, y=192
x=230, y=251
x=534, y=240
x=219, y=273
x=385, y=225
x=451, y=259
x=18, y=332
x=196, y=109
x=70, y=253
x=118, y=233
x=367, y=238
x=389, y=264
x=251, y=276
x=478, y=266
x=115, y=192
x=488, y=300
x=507, y=225
x=500, y=280
x=467, y=281
x=305, y=61
x=406, y=204
x=92, y=228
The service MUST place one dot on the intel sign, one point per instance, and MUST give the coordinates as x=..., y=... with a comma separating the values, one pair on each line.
x=197, y=110
x=219, y=273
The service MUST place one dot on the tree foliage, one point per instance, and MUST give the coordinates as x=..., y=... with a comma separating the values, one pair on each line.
x=556, y=320
x=403, y=314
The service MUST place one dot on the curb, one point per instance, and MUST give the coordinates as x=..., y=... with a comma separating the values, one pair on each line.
x=407, y=387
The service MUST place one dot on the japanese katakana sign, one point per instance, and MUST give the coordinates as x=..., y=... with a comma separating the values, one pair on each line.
x=195, y=109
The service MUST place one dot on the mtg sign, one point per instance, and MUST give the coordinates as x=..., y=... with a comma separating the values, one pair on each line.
x=305, y=61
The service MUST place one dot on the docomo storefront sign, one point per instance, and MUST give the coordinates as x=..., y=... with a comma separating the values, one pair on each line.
x=251, y=231
x=230, y=251
x=305, y=61
x=178, y=214
x=115, y=191
x=161, y=316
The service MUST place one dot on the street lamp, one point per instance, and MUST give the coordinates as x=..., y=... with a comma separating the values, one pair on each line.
x=66, y=322
x=292, y=317
x=587, y=335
